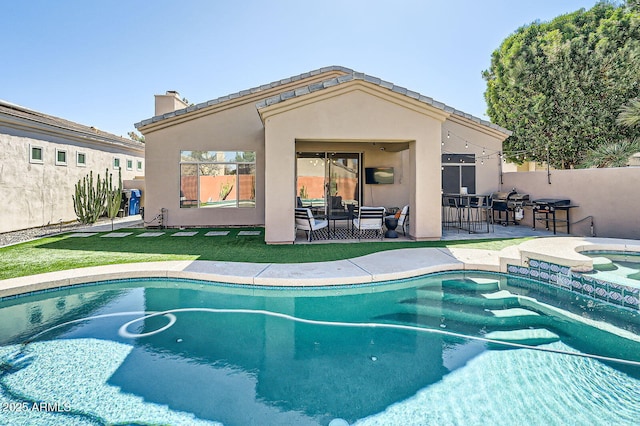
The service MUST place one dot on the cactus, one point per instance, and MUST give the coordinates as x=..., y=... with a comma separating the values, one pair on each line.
x=114, y=196
x=89, y=199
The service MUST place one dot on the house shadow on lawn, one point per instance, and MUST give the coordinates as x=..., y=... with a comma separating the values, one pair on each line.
x=188, y=242
x=175, y=244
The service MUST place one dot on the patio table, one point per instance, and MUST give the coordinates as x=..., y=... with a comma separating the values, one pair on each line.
x=464, y=206
x=335, y=217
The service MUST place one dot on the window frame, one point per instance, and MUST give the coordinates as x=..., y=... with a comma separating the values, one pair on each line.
x=116, y=166
x=66, y=157
x=129, y=164
x=461, y=163
x=139, y=165
x=235, y=165
x=78, y=163
x=33, y=160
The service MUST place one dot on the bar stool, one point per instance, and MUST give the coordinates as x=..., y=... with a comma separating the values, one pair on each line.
x=480, y=212
x=452, y=213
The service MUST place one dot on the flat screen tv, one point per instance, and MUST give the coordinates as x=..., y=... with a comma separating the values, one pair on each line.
x=378, y=175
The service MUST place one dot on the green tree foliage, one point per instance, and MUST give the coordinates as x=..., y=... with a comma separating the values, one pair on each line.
x=612, y=154
x=559, y=85
x=630, y=114
x=135, y=137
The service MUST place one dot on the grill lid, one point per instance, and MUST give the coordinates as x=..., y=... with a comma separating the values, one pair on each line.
x=518, y=197
x=554, y=202
x=511, y=196
x=500, y=195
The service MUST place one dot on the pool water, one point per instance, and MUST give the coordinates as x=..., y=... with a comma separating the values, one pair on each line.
x=617, y=267
x=451, y=348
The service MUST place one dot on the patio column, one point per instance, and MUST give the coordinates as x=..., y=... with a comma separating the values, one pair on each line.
x=425, y=197
x=279, y=183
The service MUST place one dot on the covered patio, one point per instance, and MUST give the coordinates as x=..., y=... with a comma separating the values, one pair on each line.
x=497, y=232
x=358, y=123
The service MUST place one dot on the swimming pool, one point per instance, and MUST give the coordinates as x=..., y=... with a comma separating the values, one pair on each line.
x=452, y=348
x=615, y=266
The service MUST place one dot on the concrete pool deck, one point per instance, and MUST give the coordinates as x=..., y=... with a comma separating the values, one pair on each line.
x=381, y=266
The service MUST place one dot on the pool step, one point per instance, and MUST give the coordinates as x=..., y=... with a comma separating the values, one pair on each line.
x=497, y=300
x=513, y=312
x=510, y=318
x=530, y=337
x=603, y=264
x=475, y=284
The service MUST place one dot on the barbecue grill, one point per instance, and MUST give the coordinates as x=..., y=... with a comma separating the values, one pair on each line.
x=544, y=210
x=510, y=204
x=549, y=204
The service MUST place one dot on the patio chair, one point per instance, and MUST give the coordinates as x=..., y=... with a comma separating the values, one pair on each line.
x=335, y=205
x=306, y=222
x=369, y=219
x=403, y=219
x=300, y=205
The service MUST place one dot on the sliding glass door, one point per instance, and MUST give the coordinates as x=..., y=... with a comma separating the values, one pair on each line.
x=328, y=181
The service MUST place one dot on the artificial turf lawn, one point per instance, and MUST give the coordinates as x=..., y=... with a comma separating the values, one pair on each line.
x=62, y=252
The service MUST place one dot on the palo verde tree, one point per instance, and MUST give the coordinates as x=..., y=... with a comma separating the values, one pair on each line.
x=135, y=137
x=560, y=85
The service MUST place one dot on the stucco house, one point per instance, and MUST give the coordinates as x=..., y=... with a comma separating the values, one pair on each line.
x=248, y=158
x=43, y=157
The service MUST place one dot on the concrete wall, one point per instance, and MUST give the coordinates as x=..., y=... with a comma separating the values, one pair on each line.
x=40, y=194
x=610, y=195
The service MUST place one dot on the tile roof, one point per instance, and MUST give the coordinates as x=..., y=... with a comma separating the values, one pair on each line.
x=19, y=112
x=350, y=75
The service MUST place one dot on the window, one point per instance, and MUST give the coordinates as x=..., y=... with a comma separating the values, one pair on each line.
x=139, y=166
x=458, y=170
x=116, y=163
x=217, y=179
x=35, y=154
x=129, y=164
x=61, y=157
x=81, y=159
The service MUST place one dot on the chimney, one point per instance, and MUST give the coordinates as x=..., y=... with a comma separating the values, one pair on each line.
x=169, y=102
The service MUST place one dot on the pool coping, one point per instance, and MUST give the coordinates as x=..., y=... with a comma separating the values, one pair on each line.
x=376, y=267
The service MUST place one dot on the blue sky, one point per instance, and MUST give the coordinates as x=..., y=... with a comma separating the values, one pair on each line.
x=100, y=62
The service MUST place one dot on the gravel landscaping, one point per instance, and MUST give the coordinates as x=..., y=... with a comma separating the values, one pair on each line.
x=15, y=237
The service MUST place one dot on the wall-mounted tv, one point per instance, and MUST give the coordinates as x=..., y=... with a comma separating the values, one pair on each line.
x=378, y=175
